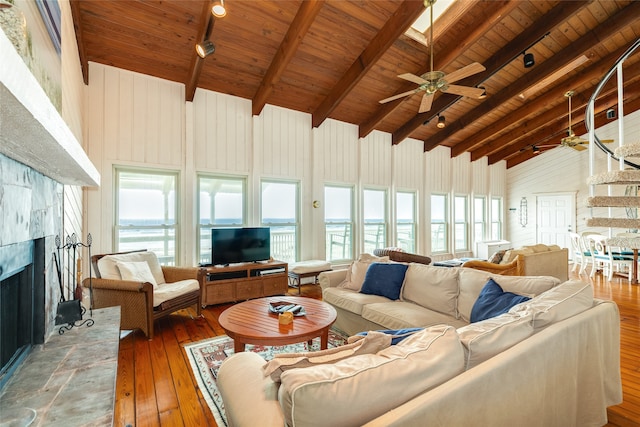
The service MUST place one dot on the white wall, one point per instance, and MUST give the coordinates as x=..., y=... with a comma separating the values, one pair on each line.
x=560, y=170
x=142, y=121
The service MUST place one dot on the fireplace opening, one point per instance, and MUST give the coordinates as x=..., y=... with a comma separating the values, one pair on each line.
x=21, y=303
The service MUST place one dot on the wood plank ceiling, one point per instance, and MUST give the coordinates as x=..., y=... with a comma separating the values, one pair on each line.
x=337, y=58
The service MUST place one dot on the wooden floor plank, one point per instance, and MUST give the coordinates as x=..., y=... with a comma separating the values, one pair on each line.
x=146, y=368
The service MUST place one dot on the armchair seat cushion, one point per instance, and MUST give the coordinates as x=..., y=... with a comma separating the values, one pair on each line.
x=167, y=291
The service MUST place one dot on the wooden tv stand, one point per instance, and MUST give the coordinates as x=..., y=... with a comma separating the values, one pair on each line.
x=239, y=282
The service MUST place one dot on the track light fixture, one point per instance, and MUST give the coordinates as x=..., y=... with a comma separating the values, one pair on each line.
x=442, y=122
x=218, y=9
x=205, y=48
x=528, y=60
x=484, y=92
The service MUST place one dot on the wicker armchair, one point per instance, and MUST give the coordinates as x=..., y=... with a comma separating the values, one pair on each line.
x=175, y=290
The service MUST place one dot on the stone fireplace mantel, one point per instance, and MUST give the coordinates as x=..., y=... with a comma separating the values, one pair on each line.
x=32, y=131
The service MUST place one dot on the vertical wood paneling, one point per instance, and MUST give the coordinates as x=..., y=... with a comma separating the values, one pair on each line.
x=286, y=142
x=375, y=155
x=222, y=132
x=408, y=168
x=480, y=176
x=497, y=179
x=461, y=173
x=335, y=152
x=438, y=170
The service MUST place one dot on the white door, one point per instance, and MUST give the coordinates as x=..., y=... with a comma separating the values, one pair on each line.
x=556, y=218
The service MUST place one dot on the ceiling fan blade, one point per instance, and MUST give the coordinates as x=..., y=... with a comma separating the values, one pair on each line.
x=413, y=78
x=472, y=92
x=398, y=96
x=425, y=104
x=464, y=72
x=606, y=141
x=579, y=147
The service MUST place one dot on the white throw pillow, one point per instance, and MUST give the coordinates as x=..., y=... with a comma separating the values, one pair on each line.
x=108, y=269
x=136, y=271
x=348, y=392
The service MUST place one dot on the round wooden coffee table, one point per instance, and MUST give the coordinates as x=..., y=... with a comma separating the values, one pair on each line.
x=251, y=322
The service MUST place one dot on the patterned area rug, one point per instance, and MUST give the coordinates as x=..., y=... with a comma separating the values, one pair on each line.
x=207, y=356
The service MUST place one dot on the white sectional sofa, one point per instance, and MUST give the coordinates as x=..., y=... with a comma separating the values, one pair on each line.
x=552, y=360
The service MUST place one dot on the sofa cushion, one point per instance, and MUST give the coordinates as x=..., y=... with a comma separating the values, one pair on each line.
x=493, y=301
x=351, y=387
x=487, y=338
x=350, y=300
x=404, y=314
x=563, y=301
x=166, y=291
x=435, y=288
x=472, y=281
x=384, y=279
x=358, y=270
x=369, y=344
x=108, y=269
x=136, y=271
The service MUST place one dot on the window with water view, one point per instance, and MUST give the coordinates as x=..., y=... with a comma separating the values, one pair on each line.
x=375, y=219
x=338, y=222
x=279, y=211
x=405, y=221
x=439, y=236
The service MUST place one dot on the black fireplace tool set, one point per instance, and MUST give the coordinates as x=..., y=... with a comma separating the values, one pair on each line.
x=70, y=309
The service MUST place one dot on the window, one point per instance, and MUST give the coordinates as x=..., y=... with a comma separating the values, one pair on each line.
x=406, y=221
x=496, y=218
x=479, y=214
x=146, y=213
x=280, y=213
x=439, y=236
x=338, y=222
x=375, y=228
x=460, y=224
x=221, y=203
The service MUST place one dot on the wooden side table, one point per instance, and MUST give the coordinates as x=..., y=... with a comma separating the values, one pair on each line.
x=251, y=322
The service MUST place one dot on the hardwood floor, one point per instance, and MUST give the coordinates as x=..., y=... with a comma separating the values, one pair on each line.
x=155, y=385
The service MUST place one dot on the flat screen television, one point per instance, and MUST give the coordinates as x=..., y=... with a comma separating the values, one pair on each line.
x=242, y=244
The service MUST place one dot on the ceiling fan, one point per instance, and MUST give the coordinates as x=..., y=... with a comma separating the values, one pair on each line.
x=571, y=140
x=432, y=81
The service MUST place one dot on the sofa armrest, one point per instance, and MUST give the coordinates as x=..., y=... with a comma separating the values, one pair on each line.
x=124, y=286
x=175, y=274
x=513, y=268
x=243, y=385
x=551, y=263
x=331, y=279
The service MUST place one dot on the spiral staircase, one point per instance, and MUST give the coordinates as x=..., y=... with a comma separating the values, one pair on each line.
x=622, y=167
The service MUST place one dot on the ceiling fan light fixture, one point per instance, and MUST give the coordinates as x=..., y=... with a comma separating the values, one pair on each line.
x=205, y=48
x=442, y=122
x=218, y=9
x=529, y=60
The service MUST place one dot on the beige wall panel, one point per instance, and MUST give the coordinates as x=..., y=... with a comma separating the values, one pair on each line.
x=480, y=176
x=222, y=132
x=336, y=152
x=497, y=179
x=461, y=173
x=375, y=155
x=284, y=142
x=438, y=170
x=408, y=165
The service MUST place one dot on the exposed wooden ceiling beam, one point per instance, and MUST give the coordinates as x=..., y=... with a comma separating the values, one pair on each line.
x=395, y=26
x=519, y=116
x=505, y=55
x=195, y=65
x=557, y=122
x=601, y=120
x=581, y=47
x=492, y=12
x=77, y=25
x=295, y=34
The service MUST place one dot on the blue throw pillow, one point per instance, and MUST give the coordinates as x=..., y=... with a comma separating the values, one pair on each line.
x=398, y=334
x=493, y=301
x=384, y=280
